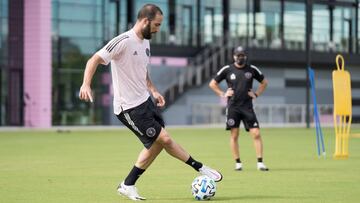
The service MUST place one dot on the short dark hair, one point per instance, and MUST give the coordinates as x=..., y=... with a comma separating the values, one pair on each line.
x=149, y=11
x=240, y=50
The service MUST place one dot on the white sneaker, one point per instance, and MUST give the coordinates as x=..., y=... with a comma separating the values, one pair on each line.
x=238, y=166
x=261, y=166
x=213, y=174
x=129, y=191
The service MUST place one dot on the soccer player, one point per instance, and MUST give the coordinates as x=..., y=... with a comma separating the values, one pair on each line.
x=239, y=78
x=129, y=55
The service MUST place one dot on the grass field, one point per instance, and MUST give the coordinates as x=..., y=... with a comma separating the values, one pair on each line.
x=86, y=166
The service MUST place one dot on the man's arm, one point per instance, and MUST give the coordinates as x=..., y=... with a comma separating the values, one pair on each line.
x=158, y=97
x=260, y=89
x=215, y=87
x=91, y=65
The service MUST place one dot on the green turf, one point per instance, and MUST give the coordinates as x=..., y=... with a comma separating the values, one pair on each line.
x=38, y=166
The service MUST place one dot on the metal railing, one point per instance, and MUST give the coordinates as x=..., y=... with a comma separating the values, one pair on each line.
x=267, y=114
x=201, y=68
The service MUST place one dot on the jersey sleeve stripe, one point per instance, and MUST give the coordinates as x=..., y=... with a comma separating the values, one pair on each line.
x=254, y=67
x=112, y=45
x=222, y=69
x=115, y=40
x=112, y=42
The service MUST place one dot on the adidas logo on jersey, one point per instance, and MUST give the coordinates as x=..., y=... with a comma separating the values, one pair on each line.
x=255, y=124
x=135, y=53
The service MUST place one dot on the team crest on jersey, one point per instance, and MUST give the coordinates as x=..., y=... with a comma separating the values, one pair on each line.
x=150, y=132
x=147, y=52
x=231, y=122
x=232, y=76
x=248, y=75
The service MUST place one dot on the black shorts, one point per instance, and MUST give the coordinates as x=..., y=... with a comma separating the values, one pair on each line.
x=236, y=114
x=144, y=120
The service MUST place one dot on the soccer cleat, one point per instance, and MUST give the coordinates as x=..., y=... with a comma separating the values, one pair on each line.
x=213, y=174
x=238, y=166
x=129, y=191
x=261, y=166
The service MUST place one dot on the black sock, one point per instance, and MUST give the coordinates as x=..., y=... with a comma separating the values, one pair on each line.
x=260, y=159
x=238, y=160
x=134, y=174
x=193, y=163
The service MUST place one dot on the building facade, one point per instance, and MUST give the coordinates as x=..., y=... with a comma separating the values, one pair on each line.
x=43, y=56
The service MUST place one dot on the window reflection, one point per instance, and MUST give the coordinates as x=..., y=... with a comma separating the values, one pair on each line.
x=321, y=27
x=81, y=27
x=209, y=25
x=186, y=28
x=162, y=37
x=212, y=10
x=267, y=25
x=344, y=24
x=238, y=21
x=185, y=25
x=3, y=58
x=338, y=36
x=294, y=26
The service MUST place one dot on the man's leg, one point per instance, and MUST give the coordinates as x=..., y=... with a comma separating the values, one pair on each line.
x=147, y=156
x=178, y=152
x=234, y=145
x=171, y=146
x=144, y=160
x=255, y=133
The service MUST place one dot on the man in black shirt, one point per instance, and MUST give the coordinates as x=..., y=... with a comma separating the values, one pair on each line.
x=239, y=78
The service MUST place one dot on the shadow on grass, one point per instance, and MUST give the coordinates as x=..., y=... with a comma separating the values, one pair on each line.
x=300, y=169
x=259, y=197
x=235, y=198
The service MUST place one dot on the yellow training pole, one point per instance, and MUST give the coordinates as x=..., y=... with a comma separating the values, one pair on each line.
x=342, y=109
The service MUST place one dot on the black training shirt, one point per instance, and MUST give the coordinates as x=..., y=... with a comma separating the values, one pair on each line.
x=241, y=81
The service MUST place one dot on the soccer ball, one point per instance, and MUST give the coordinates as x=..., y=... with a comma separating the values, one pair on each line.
x=203, y=188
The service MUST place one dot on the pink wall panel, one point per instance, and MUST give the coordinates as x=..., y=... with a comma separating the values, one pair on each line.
x=169, y=61
x=37, y=63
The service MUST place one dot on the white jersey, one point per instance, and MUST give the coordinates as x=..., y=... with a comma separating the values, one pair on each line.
x=129, y=56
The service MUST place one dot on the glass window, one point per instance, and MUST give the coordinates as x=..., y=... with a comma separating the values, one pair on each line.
x=351, y=1
x=162, y=37
x=3, y=91
x=106, y=16
x=4, y=11
x=76, y=12
x=211, y=21
x=3, y=58
x=109, y=19
x=268, y=24
x=186, y=24
x=80, y=28
x=123, y=16
x=3, y=26
x=294, y=26
x=321, y=27
x=211, y=18
x=91, y=2
x=344, y=24
x=238, y=19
